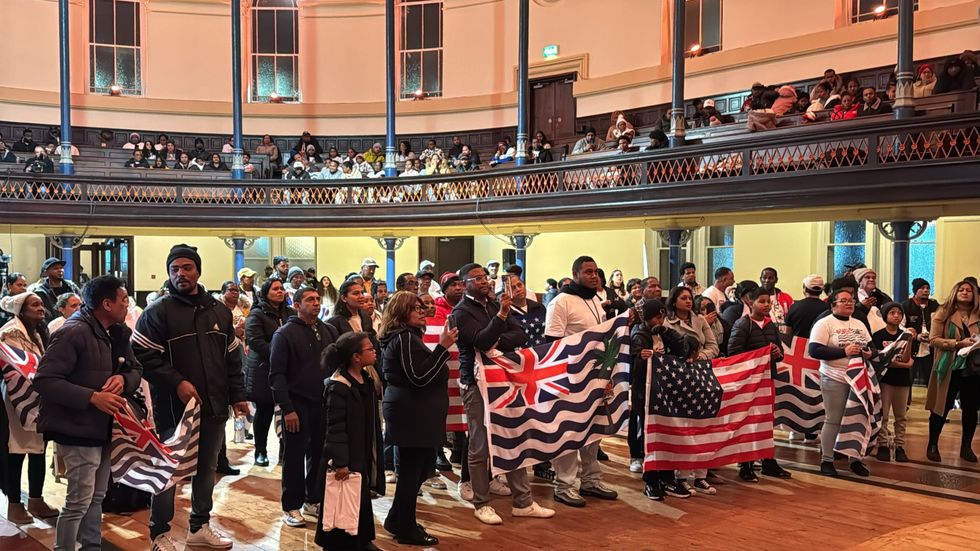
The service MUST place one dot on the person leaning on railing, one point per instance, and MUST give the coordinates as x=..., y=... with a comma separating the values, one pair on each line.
x=40, y=162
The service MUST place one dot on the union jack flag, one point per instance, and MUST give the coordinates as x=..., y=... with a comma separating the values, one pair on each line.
x=19, y=368
x=140, y=460
x=550, y=399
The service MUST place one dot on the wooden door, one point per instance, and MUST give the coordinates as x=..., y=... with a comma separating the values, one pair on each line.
x=564, y=126
x=542, y=108
x=553, y=108
x=449, y=253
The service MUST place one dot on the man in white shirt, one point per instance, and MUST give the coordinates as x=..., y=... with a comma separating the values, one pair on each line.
x=689, y=278
x=576, y=309
x=724, y=278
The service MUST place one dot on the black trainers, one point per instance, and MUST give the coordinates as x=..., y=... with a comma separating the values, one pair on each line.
x=544, y=472
x=747, y=474
x=900, y=455
x=261, y=459
x=966, y=454
x=859, y=469
x=654, y=491
x=884, y=454
x=673, y=489
x=598, y=490
x=601, y=455
x=827, y=468
x=771, y=468
x=932, y=454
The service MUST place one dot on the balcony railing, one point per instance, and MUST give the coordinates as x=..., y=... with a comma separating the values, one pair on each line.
x=762, y=161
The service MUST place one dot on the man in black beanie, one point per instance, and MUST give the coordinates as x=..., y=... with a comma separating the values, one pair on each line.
x=187, y=346
x=919, y=309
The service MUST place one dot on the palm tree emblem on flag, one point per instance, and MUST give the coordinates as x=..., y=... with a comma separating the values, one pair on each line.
x=607, y=355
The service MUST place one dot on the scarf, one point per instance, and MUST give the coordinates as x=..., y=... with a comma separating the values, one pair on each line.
x=949, y=360
x=574, y=288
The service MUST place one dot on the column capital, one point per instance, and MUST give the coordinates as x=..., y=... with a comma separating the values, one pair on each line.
x=383, y=242
x=230, y=241
x=66, y=240
x=528, y=238
x=684, y=237
x=902, y=230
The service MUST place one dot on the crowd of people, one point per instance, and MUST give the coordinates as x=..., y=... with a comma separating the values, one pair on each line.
x=361, y=394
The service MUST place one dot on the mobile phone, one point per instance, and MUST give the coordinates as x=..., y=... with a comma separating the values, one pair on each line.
x=451, y=322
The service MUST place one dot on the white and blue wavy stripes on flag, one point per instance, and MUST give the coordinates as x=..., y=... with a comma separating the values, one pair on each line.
x=862, y=415
x=139, y=460
x=546, y=400
x=19, y=367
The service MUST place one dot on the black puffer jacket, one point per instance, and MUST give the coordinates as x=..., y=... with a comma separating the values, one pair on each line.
x=263, y=320
x=80, y=359
x=296, y=367
x=189, y=337
x=748, y=336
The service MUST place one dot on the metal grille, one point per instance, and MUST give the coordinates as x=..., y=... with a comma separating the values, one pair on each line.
x=927, y=145
x=813, y=156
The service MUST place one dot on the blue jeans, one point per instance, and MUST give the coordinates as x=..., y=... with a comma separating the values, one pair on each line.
x=202, y=485
x=88, y=477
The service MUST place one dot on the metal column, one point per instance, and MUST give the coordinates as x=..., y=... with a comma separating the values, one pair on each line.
x=67, y=165
x=904, y=100
x=522, y=85
x=391, y=148
x=677, y=123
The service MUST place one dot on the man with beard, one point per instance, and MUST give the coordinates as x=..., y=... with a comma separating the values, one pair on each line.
x=187, y=346
x=781, y=302
x=51, y=286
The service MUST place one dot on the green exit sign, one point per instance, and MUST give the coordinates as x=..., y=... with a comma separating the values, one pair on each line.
x=550, y=51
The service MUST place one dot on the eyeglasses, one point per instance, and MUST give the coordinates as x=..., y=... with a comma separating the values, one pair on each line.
x=845, y=301
x=477, y=278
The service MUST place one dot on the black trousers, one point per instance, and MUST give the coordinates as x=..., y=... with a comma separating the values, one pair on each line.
x=635, y=436
x=35, y=476
x=968, y=389
x=414, y=467
x=302, y=451
x=260, y=425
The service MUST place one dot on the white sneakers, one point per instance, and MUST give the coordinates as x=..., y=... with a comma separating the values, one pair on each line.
x=311, y=509
x=499, y=487
x=533, y=511
x=390, y=477
x=466, y=491
x=293, y=519
x=163, y=543
x=435, y=483
x=208, y=537
x=636, y=465
x=487, y=515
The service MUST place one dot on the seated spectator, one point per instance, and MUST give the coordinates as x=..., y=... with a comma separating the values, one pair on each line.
x=361, y=164
x=348, y=172
x=835, y=81
x=39, y=163
x=229, y=146
x=853, y=86
x=105, y=136
x=429, y=151
x=53, y=135
x=268, y=147
x=297, y=172
x=762, y=117
x=890, y=90
x=846, y=109
x=134, y=141
x=624, y=145
x=163, y=141
x=925, y=82
x=404, y=149
x=306, y=140
x=465, y=163
x=149, y=152
x=785, y=103
x=199, y=162
x=538, y=152
x=159, y=163
x=137, y=160
x=663, y=123
x=621, y=127
x=330, y=171
x=183, y=161
x=821, y=99
x=503, y=155
x=216, y=164
x=473, y=158
x=53, y=149
x=872, y=104
x=802, y=101
x=698, y=118
x=456, y=150
x=349, y=156
x=6, y=155
x=377, y=170
x=756, y=92
x=444, y=167
x=169, y=152
x=313, y=156
x=545, y=142
x=589, y=143
x=954, y=78
x=376, y=153
x=332, y=153
x=411, y=168
x=971, y=63
x=199, y=150
x=658, y=140
x=247, y=165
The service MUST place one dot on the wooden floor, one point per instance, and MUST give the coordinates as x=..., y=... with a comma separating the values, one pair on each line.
x=917, y=505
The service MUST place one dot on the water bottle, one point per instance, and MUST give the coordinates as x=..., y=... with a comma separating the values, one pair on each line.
x=239, y=430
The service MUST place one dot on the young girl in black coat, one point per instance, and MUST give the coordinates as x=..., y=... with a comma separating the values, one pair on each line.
x=353, y=435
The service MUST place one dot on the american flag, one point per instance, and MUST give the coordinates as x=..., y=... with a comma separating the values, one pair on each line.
x=799, y=403
x=456, y=418
x=19, y=367
x=546, y=400
x=138, y=458
x=708, y=414
x=862, y=415
x=533, y=324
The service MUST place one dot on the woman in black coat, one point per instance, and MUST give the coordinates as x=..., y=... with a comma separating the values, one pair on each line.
x=266, y=316
x=352, y=442
x=416, y=402
x=348, y=313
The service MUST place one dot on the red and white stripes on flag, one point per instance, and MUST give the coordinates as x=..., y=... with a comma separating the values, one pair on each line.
x=138, y=458
x=456, y=418
x=19, y=367
x=704, y=415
